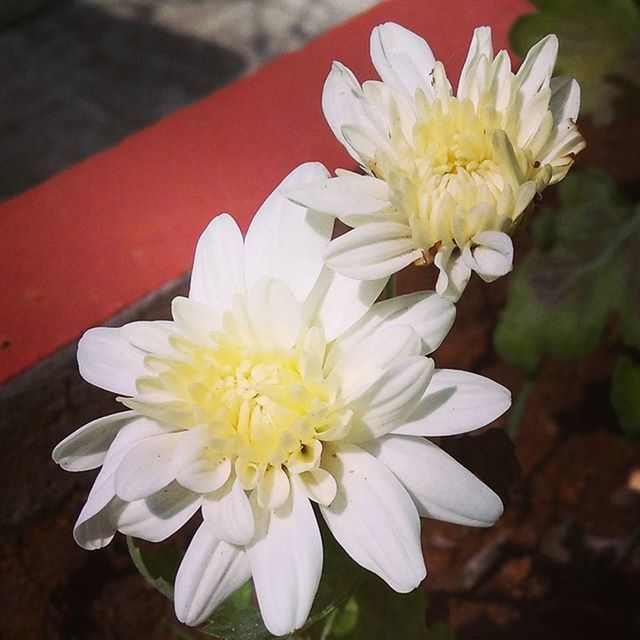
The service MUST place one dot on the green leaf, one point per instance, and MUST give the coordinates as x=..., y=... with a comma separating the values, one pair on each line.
x=158, y=564
x=583, y=269
x=381, y=613
x=238, y=618
x=625, y=395
x=599, y=46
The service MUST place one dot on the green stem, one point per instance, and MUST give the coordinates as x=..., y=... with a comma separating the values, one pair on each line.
x=520, y=404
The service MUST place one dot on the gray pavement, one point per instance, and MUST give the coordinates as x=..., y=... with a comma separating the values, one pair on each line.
x=78, y=76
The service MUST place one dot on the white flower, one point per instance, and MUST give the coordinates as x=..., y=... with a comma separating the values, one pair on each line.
x=277, y=383
x=448, y=177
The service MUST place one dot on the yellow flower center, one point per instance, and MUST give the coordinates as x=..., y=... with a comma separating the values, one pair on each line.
x=449, y=178
x=262, y=407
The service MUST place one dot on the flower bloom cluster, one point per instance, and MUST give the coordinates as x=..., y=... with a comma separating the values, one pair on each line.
x=447, y=178
x=280, y=381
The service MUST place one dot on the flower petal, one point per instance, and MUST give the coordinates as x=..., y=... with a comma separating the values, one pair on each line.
x=427, y=313
x=195, y=319
x=481, y=45
x=492, y=255
x=337, y=302
x=319, y=485
x=96, y=524
x=107, y=360
x=87, y=447
x=273, y=488
x=196, y=465
x=95, y=529
x=150, y=336
x=535, y=72
x=382, y=406
x=456, y=402
x=367, y=360
x=286, y=563
x=402, y=58
x=160, y=515
x=372, y=251
x=275, y=314
x=345, y=194
x=454, y=273
x=565, y=99
x=343, y=104
x=373, y=518
x=209, y=573
x=146, y=468
x=286, y=241
x=218, y=270
x=228, y=513
x=440, y=487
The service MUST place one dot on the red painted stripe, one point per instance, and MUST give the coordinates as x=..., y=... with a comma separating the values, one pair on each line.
x=99, y=236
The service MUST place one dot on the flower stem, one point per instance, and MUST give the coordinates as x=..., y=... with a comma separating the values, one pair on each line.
x=520, y=404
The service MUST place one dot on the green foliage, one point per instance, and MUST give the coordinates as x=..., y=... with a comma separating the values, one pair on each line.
x=158, y=566
x=625, y=395
x=599, y=46
x=582, y=270
x=376, y=612
x=238, y=618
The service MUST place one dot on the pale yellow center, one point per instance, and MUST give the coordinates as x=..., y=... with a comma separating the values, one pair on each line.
x=448, y=179
x=262, y=407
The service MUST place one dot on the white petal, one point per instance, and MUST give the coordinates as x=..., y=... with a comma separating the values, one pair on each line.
x=373, y=250
x=382, y=406
x=343, y=104
x=150, y=336
x=374, y=519
x=286, y=241
x=160, y=515
x=87, y=447
x=454, y=273
x=492, y=255
x=367, y=360
x=337, y=302
x=196, y=465
x=402, y=58
x=565, y=99
x=96, y=524
x=217, y=273
x=481, y=45
x=286, y=563
x=535, y=72
x=146, y=468
x=95, y=529
x=319, y=485
x=107, y=360
x=195, y=319
x=346, y=194
x=457, y=402
x=228, y=513
x=273, y=488
x=209, y=573
x=427, y=313
x=440, y=486
x=275, y=314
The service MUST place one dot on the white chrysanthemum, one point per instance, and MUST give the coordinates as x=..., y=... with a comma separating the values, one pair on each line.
x=279, y=383
x=448, y=176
